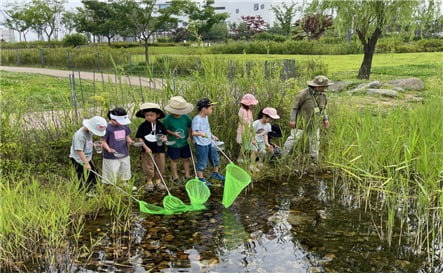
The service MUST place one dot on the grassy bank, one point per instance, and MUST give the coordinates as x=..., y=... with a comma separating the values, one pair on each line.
x=388, y=158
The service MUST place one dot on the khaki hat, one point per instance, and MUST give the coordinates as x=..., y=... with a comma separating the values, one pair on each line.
x=319, y=81
x=178, y=105
x=145, y=107
x=97, y=125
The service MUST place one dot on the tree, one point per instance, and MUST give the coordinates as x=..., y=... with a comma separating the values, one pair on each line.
x=68, y=21
x=369, y=18
x=204, y=18
x=284, y=15
x=218, y=32
x=16, y=20
x=98, y=18
x=250, y=26
x=44, y=15
x=312, y=26
x=145, y=23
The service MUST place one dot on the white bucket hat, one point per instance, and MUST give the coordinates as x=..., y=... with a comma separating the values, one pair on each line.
x=97, y=125
x=178, y=105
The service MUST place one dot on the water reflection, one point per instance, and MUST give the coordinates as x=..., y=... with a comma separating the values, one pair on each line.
x=272, y=228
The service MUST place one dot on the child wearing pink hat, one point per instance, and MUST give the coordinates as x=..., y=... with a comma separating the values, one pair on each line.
x=262, y=126
x=245, y=116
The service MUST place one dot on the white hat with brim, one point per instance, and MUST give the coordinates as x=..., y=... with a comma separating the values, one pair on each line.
x=178, y=105
x=123, y=120
x=145, y=107
x=97, y=125
x=320, y=81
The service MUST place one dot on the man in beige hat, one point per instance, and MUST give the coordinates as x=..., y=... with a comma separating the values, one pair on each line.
x=178, y=125
x=310, y=104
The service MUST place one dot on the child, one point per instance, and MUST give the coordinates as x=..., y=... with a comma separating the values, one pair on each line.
x=262, y=126
x=115, y=142
x=245, y=115
x=81, y=149
x=202, y=138
x=178, y=125
x=153, y=133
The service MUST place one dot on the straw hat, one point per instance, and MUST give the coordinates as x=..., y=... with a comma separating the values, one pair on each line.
x=319, y=81
x=144, y=107
x=97, y=125
x=249, y=99
x=178, y=105
x=271, y=112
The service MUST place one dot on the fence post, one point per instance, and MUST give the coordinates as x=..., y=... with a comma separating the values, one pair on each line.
x=73, y=94
x=17, y=56
x=267, y=70
x=231, y=70
x=248, y=68
x=42, y=59
x=69, y=59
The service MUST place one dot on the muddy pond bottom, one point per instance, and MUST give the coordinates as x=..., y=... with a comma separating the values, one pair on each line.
x=273, y=227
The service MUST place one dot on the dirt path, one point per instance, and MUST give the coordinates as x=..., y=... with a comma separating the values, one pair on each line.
x=154, y=83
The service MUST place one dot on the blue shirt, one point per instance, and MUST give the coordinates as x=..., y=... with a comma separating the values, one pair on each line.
x=201, y=124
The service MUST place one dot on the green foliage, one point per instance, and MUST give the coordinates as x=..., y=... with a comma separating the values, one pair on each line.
x=74, y=40
x=287, y=47
x=266, y=36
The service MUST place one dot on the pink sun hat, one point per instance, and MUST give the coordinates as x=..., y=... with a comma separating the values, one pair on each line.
x=271, y=112
x=249, y=99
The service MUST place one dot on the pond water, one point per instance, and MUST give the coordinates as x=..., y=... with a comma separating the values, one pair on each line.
x=273, y=227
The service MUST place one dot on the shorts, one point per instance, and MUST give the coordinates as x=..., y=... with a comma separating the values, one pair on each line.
x=114, y=169
x=205, y=154
x=176, y=153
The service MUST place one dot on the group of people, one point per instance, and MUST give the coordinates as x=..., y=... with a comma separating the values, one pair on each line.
x=172, y=135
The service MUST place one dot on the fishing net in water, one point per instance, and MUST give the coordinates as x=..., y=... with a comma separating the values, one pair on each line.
x=175, y=204
x=236, y=180
x=152, y=209
x=198, y=193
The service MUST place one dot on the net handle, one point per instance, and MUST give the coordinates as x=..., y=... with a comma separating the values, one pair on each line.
x=117, y=187
x=193, y=161
x=224, y=154
x=159, y=173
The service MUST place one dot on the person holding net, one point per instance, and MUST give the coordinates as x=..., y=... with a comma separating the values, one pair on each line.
x=201, y=131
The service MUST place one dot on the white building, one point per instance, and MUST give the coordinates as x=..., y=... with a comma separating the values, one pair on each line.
x=7, y=35
x=238, y=8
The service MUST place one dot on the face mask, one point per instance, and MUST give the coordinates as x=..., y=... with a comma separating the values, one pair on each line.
x=151, y=138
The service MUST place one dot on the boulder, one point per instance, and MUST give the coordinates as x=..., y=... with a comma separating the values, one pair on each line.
x=364, y=86
x=383, y=92
x=339, y=86
x=408, y=84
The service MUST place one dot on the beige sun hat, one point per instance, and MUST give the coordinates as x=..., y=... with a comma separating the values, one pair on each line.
x=320, y=81
x=178, y=105
x=144, y=107
x=97, y=125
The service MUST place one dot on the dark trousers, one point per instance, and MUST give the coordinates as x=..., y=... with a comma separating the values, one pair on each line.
x=87, y=179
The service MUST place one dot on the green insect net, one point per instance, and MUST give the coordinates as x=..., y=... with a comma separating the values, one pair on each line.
x=198, y=193
x=236, y=180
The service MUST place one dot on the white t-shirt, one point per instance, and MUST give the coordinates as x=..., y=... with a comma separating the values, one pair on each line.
x=201, y=124
x=261, y=130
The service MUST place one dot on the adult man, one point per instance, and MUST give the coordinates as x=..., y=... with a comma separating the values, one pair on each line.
x=310, y=104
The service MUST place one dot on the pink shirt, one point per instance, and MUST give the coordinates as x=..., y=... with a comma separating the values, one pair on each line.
x=245, y=119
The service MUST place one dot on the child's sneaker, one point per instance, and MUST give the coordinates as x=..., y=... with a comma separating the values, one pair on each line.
x=217, y=176
x=149, y=186
x=159, y=185
x=207, y=183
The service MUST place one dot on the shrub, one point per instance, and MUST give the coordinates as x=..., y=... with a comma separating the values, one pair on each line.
x=73, y=40
x=269, y=37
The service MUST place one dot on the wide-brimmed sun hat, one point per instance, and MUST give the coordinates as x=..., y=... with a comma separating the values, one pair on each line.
x=249, y=99
x=97, y=125
x=178, y=105
x=145, y=107
x=320, y=81
x=271, y=112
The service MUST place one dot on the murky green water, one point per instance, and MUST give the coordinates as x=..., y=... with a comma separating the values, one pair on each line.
x=274, y=227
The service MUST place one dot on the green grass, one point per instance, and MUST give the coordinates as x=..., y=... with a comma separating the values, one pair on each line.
x=390, y=158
